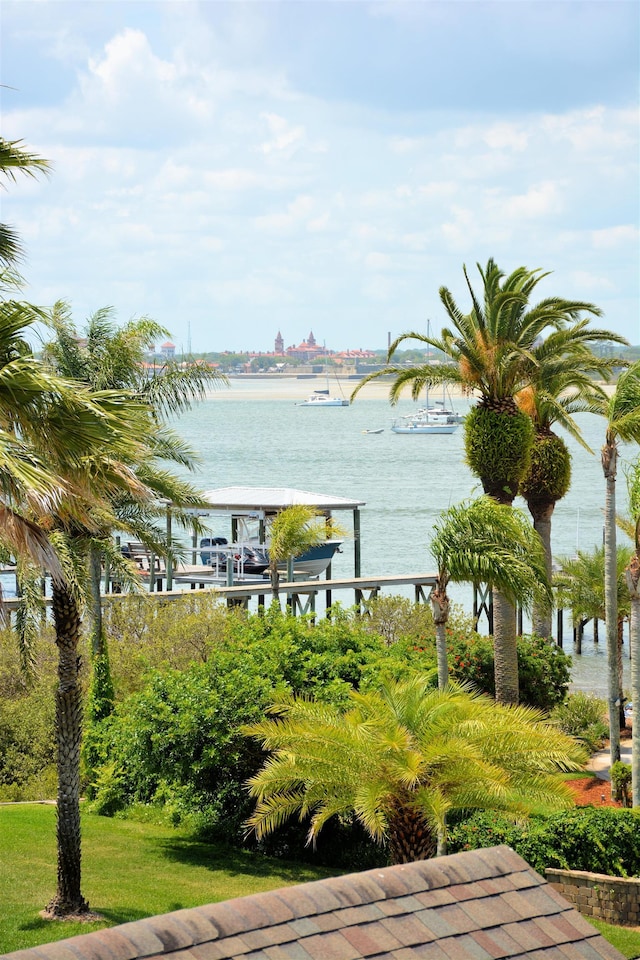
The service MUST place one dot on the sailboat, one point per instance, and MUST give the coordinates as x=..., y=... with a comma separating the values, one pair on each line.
x=323, y=398
x=440, y=418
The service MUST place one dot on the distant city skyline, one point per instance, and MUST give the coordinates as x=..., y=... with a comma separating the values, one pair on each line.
x=231, y=168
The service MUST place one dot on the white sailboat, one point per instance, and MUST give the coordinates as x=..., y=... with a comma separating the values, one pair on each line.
x=438, y=418
x=323, y=398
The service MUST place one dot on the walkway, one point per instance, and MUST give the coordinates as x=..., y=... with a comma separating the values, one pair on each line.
x=601, y=761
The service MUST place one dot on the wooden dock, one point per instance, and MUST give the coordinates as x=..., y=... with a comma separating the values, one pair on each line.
x=301, y=595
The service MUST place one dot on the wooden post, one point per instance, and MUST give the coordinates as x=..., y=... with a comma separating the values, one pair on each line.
x=169, y=562
x=560, y=626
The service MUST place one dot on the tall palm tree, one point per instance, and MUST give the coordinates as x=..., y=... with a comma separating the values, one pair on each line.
x=562, y=385
x=486, y=542
x=632, y=577
x=104, y=472
x=107, y=357
x=489, y=350
x=14, y=159
x=622, y=413
x=401, y=758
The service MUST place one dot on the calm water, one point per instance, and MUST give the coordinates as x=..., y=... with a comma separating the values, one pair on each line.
x=405, y=481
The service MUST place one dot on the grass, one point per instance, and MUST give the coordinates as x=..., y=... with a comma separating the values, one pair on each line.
x=133, y=870
x=130, y=870
x=624, y=939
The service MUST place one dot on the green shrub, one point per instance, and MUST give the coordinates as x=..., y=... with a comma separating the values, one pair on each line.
x=27, y=743
x=621, y=778
x=543, y=668
x=582, y=716
x=177, y=741
x=602, y=840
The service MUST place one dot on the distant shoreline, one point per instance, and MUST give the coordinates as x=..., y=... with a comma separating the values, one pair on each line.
x=276, y=386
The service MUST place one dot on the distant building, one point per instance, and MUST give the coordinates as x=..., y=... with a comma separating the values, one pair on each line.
x=168, y=350
x=279, y=344
x=307, y=350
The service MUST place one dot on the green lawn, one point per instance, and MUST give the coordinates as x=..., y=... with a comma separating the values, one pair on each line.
x=624, y=939
x=133, y=870
x=130, y=870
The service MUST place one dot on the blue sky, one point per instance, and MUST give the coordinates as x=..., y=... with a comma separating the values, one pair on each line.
x=233, y=169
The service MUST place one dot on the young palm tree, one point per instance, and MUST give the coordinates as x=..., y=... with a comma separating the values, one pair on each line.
x=401, y=758
x=293, y=531
x=562, y=386
x=489, y=350
x=622, y=412
x=487, y=542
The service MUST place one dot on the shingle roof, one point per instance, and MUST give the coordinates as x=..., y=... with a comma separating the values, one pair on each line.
x=481, y=905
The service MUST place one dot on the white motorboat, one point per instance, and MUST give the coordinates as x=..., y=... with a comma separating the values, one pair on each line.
x=250, y=560
x=322, y=398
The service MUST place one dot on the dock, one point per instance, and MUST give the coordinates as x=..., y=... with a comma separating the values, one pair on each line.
x=301, y=595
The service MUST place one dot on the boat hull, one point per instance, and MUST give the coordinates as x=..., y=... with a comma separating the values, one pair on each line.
x=418, y=427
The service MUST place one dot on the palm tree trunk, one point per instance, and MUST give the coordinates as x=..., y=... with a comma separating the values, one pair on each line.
x=541, y=514
x=68, y=899
x=440, y=608
x=609, y=466
x=409, y=836
x=633, y=583
x=505, y=653
x=275, y=583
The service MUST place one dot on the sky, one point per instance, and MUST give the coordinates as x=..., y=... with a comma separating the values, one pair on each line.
x=236, y=169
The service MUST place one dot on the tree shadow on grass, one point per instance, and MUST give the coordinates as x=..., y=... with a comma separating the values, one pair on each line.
x=237, y=862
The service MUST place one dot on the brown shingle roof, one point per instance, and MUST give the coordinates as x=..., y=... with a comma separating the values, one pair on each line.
x=481, y=905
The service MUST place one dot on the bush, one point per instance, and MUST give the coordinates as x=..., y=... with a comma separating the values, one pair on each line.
x=27, y=745
x=177, y=741
x=544, y=669
x=602, y=840
x=582, y=716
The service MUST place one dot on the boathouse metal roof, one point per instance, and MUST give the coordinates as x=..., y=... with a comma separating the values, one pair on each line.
x=273, y=499
x=479, y=905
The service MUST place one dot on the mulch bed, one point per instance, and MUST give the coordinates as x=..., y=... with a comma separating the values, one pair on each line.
x=592, y=791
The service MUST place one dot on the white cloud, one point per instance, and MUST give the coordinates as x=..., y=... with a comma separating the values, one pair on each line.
x=502, y=135
x=284, y=137
x=538, y=201
x=590, y=282
x=612, y=237
x=377, y=261
x=295, y=215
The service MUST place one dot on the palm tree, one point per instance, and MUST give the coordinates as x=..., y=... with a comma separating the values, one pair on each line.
x=86, y=512
x=562, y=386
x=401, y=758
x=107, y=357
x=632, y=578
x=486, y=542
x=293, y=531
x=490, y=351
x=15, y=158
x=622, y=413
x=580, y=584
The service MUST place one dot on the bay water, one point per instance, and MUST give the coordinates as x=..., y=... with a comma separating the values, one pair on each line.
x=255, y=434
